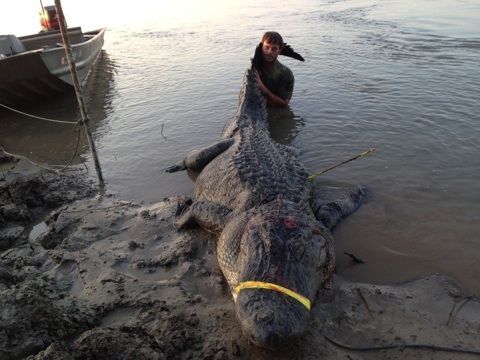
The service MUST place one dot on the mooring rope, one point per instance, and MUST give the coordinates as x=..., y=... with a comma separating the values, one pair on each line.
x=39, y=117
x=75, y=152
x=76, y=128
x=401, y=347
x=17, y=156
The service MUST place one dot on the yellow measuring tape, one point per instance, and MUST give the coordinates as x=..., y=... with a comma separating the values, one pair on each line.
x=264, y=285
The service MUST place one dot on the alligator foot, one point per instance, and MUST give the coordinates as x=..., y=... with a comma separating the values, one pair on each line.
x=196, y=160
x=186, y=221
x=177, y=167
x=210, y=216
x=330, y=214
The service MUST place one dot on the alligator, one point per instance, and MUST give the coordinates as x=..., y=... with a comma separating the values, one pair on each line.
x=274, y=234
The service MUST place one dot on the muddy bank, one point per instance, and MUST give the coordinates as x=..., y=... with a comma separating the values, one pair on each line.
x=107, y=279
x=27, y=194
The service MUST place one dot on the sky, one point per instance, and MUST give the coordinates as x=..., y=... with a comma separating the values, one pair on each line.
x=23, y=18
x=453, y=17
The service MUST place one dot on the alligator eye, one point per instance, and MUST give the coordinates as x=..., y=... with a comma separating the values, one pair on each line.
x=297, y=249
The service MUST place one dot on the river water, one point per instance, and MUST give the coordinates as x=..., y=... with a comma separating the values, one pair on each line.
x=399, y=75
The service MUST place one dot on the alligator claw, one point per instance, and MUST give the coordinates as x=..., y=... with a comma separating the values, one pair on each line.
x=176, y=167
x=186, y=221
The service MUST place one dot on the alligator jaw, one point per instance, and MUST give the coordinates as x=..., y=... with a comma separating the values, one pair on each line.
x=270, y=319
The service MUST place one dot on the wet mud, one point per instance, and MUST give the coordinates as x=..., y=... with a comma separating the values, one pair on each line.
x=108, y=279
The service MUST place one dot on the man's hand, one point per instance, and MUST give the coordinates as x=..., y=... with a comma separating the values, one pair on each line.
x=260, y=84
x=272, y=99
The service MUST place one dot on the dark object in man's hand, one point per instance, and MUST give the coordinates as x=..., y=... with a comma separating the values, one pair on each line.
x=288, y=51
x=257, y=60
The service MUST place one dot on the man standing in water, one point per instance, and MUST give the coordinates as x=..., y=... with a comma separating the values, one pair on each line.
x=274, y=79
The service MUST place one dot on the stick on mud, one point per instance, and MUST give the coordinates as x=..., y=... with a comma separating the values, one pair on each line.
x=354, y=258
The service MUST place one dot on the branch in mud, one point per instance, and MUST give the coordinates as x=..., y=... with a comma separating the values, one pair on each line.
x=354, y=258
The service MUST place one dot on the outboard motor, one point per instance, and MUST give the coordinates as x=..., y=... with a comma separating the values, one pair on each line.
x=49, y=18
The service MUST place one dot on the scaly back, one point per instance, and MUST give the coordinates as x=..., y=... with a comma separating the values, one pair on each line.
x=252, y=108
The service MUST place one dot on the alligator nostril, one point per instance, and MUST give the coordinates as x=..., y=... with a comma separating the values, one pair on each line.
x=264, y=317
x=268, y=339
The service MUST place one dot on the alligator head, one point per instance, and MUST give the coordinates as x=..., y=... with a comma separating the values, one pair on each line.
x=278, y=256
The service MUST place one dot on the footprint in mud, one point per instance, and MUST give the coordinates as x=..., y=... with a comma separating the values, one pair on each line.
x=67, y=277
x=144, y=273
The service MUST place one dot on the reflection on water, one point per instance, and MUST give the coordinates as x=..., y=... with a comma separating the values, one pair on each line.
x=99, y=90
x=284, y=125
x=54, y=143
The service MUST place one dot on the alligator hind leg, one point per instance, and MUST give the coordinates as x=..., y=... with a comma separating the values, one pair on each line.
x=198, y=159
x=331, y=213
x=210, y=216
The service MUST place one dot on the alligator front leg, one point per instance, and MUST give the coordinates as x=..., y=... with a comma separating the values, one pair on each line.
x=198, y=159
x=208, y=215
x=331, y=213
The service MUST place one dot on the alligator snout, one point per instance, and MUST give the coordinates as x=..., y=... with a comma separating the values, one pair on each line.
x=270, y=319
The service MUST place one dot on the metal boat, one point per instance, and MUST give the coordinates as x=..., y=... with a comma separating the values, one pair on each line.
x=35, y=67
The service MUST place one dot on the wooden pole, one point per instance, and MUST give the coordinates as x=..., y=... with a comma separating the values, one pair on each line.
x=43, y=9
x=44, y=17
x=78, y=91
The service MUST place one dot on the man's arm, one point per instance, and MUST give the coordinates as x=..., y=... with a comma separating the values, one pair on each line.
x=272, y=99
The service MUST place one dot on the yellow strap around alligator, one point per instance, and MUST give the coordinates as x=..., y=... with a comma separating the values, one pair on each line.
x=264, y=285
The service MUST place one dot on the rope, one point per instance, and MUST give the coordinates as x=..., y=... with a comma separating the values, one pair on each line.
x=400, y=347
x=75, y=123
x=30, y=161
x=77, y=129
x=39, y=117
